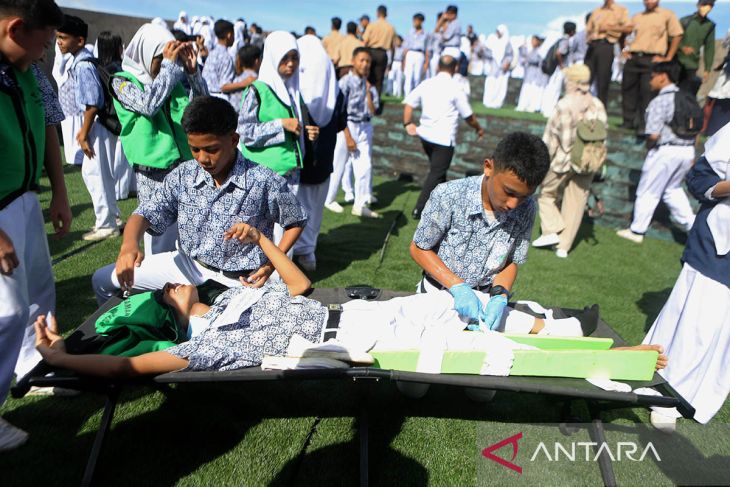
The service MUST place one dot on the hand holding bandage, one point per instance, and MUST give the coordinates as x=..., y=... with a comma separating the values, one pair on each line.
x=466, y=302
x=491, y=315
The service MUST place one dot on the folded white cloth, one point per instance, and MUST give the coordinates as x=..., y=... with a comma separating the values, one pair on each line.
x=610, y=385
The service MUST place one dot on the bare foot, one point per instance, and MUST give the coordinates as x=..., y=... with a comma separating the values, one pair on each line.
x=661, y=361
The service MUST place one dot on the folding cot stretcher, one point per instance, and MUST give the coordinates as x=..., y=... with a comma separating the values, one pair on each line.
x=84, y=339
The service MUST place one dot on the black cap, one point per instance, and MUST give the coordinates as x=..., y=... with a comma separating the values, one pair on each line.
x=74, y=26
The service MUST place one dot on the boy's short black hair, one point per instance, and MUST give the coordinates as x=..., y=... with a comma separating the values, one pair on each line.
x=452, y=9
x=336, y=23
x=222, y=28
x=209, y=115
x=419, y=16
x=365, y=17
x=569, y=27
x=524, y=154
x=382, y=10
x=37, y=14
x=309, y=30
x=359, y=50
x=352, y=28
x=670, y=68
x=248, y=55
x=74, y=26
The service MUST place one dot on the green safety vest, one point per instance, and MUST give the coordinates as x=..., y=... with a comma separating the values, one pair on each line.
x=280, y=158
x=158, y=141
x=22, y=136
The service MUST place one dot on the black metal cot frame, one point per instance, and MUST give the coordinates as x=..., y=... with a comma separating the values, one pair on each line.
x=565, y=389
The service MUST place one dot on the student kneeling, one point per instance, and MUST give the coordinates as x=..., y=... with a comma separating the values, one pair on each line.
x=206, y=196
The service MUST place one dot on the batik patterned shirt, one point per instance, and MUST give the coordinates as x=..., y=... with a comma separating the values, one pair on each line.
x=54, y=112
x=252, y=194
x=354, y=88
x=263, y=329
x=149, y=100
x=82, y=87
x=454, y=225
x=659, y=114
x=218, y=69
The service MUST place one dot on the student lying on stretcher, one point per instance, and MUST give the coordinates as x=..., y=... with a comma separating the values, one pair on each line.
x=245, y=324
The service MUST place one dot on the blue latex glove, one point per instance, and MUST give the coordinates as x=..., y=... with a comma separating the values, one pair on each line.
x=492, y=312
x=466, y=302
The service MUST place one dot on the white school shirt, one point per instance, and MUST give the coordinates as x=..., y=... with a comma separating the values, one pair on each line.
x=442, y=102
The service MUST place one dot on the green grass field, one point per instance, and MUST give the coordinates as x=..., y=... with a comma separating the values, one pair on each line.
x=303, y=433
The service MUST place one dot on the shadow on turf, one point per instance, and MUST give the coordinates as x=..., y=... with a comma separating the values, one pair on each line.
x=651, y=303
x=199, y=425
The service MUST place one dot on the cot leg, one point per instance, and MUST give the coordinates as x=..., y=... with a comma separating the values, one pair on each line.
x=604, y=461
x=106, y=422
x=363, y=435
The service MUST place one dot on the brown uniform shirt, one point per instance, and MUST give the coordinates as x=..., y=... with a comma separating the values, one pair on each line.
x=344, y=53
x=379, y=34
x=604, y=16
x=653, y=30
x=331, y=44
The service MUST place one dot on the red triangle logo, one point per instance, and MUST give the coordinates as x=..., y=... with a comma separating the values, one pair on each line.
x=512, y=440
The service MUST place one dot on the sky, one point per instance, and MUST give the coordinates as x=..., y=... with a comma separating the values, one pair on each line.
x=523, y=17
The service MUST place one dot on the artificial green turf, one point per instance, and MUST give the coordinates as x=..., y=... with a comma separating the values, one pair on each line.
x=257, y=434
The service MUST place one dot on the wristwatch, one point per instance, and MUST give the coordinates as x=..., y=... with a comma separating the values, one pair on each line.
x=497, y=290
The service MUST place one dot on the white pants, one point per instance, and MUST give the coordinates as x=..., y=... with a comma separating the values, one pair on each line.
x=71, y=150
x=98, y=176
x=395, y=78
x=495, y=89
x=123, y=174
x=661, y=179
x=312, y=198
x=361, y=160
x=694, y=329
x=552, y=92
x=292, y=181
x=413, y=70
x=530, y=97
x=157, y=270
x=433, y=64
x=28, y=292
x=147, y=185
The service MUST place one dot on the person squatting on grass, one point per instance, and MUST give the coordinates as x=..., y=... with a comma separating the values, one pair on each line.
x=244, y=325
x=149, y=98
x=29, y=113
x=475, y=232
x=205, y=196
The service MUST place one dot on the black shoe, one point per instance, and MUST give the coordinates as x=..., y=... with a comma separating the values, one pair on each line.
x=588, y=319
x=416, y=215
x=628, y=126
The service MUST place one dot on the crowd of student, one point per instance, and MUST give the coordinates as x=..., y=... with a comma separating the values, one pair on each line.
x=239, y=141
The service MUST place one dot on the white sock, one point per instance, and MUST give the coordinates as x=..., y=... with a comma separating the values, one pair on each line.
x=516, y=322
x=566, y=327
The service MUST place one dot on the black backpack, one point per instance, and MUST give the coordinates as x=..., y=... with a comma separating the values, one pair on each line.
x=108, y=114
x=550, y=63
x=688, y=116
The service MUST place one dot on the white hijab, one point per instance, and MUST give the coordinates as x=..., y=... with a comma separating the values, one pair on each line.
x=161, y=22
x=717, y=153
x=498, y=45
x=277, y=45
x=183, y=23
x=239, y=29
x=147, y=43
x=317, y=80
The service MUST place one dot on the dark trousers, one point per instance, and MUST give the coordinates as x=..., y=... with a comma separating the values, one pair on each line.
x=635, y=90
x=600, y=62
x=688, y=80
x=377, y=68
x=439, y=158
